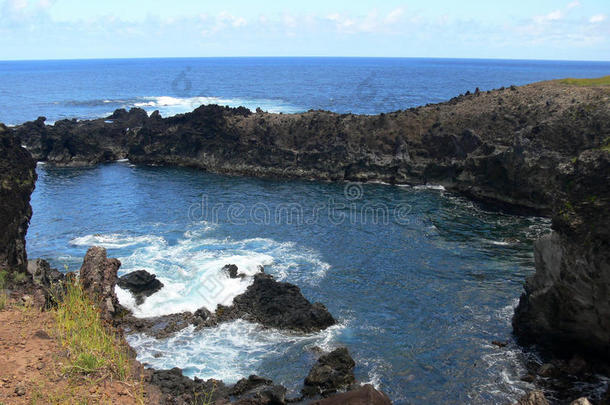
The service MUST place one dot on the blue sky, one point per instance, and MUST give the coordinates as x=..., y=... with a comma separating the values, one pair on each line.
x=66, y=29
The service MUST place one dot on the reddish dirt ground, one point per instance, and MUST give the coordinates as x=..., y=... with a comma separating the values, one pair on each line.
x=33, y=367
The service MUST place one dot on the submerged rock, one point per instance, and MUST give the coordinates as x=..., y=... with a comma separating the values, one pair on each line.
x=232, y=271
x=277, y=305
x=141, y=284
x=98, y=276
x=332, y=372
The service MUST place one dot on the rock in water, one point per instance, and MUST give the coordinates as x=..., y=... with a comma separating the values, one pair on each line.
x=566, y=303
x=183, y=390
x=141, y=284
x=98, y=275
x=277, y=305
x=533, y=398
x=332, y=372
x=232, y=271
x=365, y=395
x=17, y=178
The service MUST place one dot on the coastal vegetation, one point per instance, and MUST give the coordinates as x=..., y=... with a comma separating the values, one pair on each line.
x=595, y=82
x=93, y=347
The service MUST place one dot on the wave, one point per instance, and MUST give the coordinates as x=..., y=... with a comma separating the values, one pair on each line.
x=169, y=106
x=228, y=352
x=115, y=240
x=190, y=268
x=429, y=187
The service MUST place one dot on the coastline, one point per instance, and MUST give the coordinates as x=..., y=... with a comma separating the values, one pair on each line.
x=515, y=166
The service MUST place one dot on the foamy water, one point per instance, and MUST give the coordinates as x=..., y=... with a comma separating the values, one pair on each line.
x=418, y=302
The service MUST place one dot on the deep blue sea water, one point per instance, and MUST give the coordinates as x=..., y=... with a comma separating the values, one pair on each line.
x=420, y=280
x=93, y=88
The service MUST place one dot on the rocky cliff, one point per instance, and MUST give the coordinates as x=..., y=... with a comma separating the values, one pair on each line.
x=502, y=146
x=17, y=178
x=566, y=305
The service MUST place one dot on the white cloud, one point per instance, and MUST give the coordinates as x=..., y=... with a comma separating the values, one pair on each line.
x=552, y=16
x=394, y=15
x=574, y=4
x=597, y=18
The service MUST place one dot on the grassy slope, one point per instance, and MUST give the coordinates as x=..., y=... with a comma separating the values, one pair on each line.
x=596, y=82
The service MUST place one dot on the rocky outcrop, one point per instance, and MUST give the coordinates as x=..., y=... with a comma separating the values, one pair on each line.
x=232, y=271
x=141, y=284
x=277, y=305
x=179, y=389
x=98, y=276
x=502, y=146
x=17, y=178
x=333, y=371
x=42, y=274
x=365, y=395
x=566, y=306
x=268, y=302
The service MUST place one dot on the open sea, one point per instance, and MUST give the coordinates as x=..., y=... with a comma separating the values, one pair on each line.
x=421, y=285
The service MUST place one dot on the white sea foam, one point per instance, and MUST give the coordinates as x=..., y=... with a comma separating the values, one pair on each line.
x=228, y=352
x=190, y=268
x=429, y=187
x=169, y=106
x=115, y=240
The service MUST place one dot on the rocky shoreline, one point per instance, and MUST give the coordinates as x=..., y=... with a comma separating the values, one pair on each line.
x=542, y=148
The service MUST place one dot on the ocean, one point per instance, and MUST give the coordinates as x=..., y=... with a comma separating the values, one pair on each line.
x=421, y=285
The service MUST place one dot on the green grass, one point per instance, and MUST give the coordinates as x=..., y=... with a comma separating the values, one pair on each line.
x=93, y=348
x=600, y=81
x=19, y=277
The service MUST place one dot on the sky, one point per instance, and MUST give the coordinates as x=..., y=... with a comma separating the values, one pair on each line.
x=517, y=29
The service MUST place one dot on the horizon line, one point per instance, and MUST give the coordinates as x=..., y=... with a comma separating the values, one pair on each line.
x=303, y=57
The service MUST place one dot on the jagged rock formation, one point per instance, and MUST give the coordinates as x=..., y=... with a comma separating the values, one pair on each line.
x=502, y=146
x=17, y=178
x=567, y=304
x=98, y=276
x=141, y=284
x=332, y=372
x=271, y=303
x=277, y=305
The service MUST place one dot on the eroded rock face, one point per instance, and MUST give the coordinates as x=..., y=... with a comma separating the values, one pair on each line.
x=566, y=304
x=278, y=305
x=42, y=274
x=141, y=284
x=333, y=371
x=98, y=275
x=17, y=178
